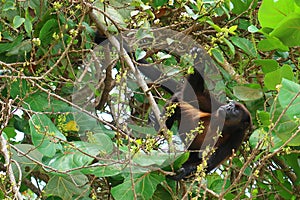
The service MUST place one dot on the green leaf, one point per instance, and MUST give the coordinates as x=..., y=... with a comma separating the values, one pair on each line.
x=162, y=192
x=46, y=33
x=144, y=34
x=246, y=93
x=68, y=187
x=103, y=142
x=240, y=6
x=21, y=124
x=107, y=170
x=267, y=65
x=287, y=93
x=44, y=135
x=144, y=186
x=191, y=13
x=28, y=26
x=154, y=159
x=88, y=124
x=8, y=5
x=218, y=185
x=18, y=21
x=26, y=164
x=288, y=31
x=289, y=121
x=4, y=47
x=73, y=158
x=274, y=78
x=291, y=159
x=256, y=136
x=218, y=55
x=263, y=118
x=41, y=102
x=273, y=143
x=271, y=12
x=39, y=7
x=253, y=29
x=142, y=129
x=10, y=131
x=20, y=49
x=162, y=55
x=271, y=43
x=245, y=45
x=116, y=14
x=69, y=160
x=180, y=160
x=159, y=3
x=231, y=47
x=139, y=54
x=19, y=88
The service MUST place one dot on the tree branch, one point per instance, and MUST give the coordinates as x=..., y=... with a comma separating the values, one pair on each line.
x=142, y=83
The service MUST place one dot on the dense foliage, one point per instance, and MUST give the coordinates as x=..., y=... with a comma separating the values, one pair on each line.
x=75, y=123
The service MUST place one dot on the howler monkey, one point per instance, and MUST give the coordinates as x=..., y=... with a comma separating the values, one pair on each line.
x=202, y=120
x=223, y=125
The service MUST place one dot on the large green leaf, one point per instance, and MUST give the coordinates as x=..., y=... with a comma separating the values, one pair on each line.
x=78, y=155
x=246, y=93
x=283, y=16
x=288, y=91
x=288, y=30
x=36, y=101
x=104, y=169
x=292, y=161
x=88, y=124
x=68, y=187
x=21, y=49
x=274, y=78
x=260, y=134
x=25, y=163
x=288, y=98
x=40, y=101
x=44, y=135
x=271, y=12
x=271, y=43
x=158, y=3
x=154, y=159
x=267, y=65
x=144, y=186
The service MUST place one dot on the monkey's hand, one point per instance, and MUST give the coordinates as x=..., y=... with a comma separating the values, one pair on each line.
x=184, y=172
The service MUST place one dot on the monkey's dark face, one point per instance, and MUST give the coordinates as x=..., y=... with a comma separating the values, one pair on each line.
x=235, y=114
